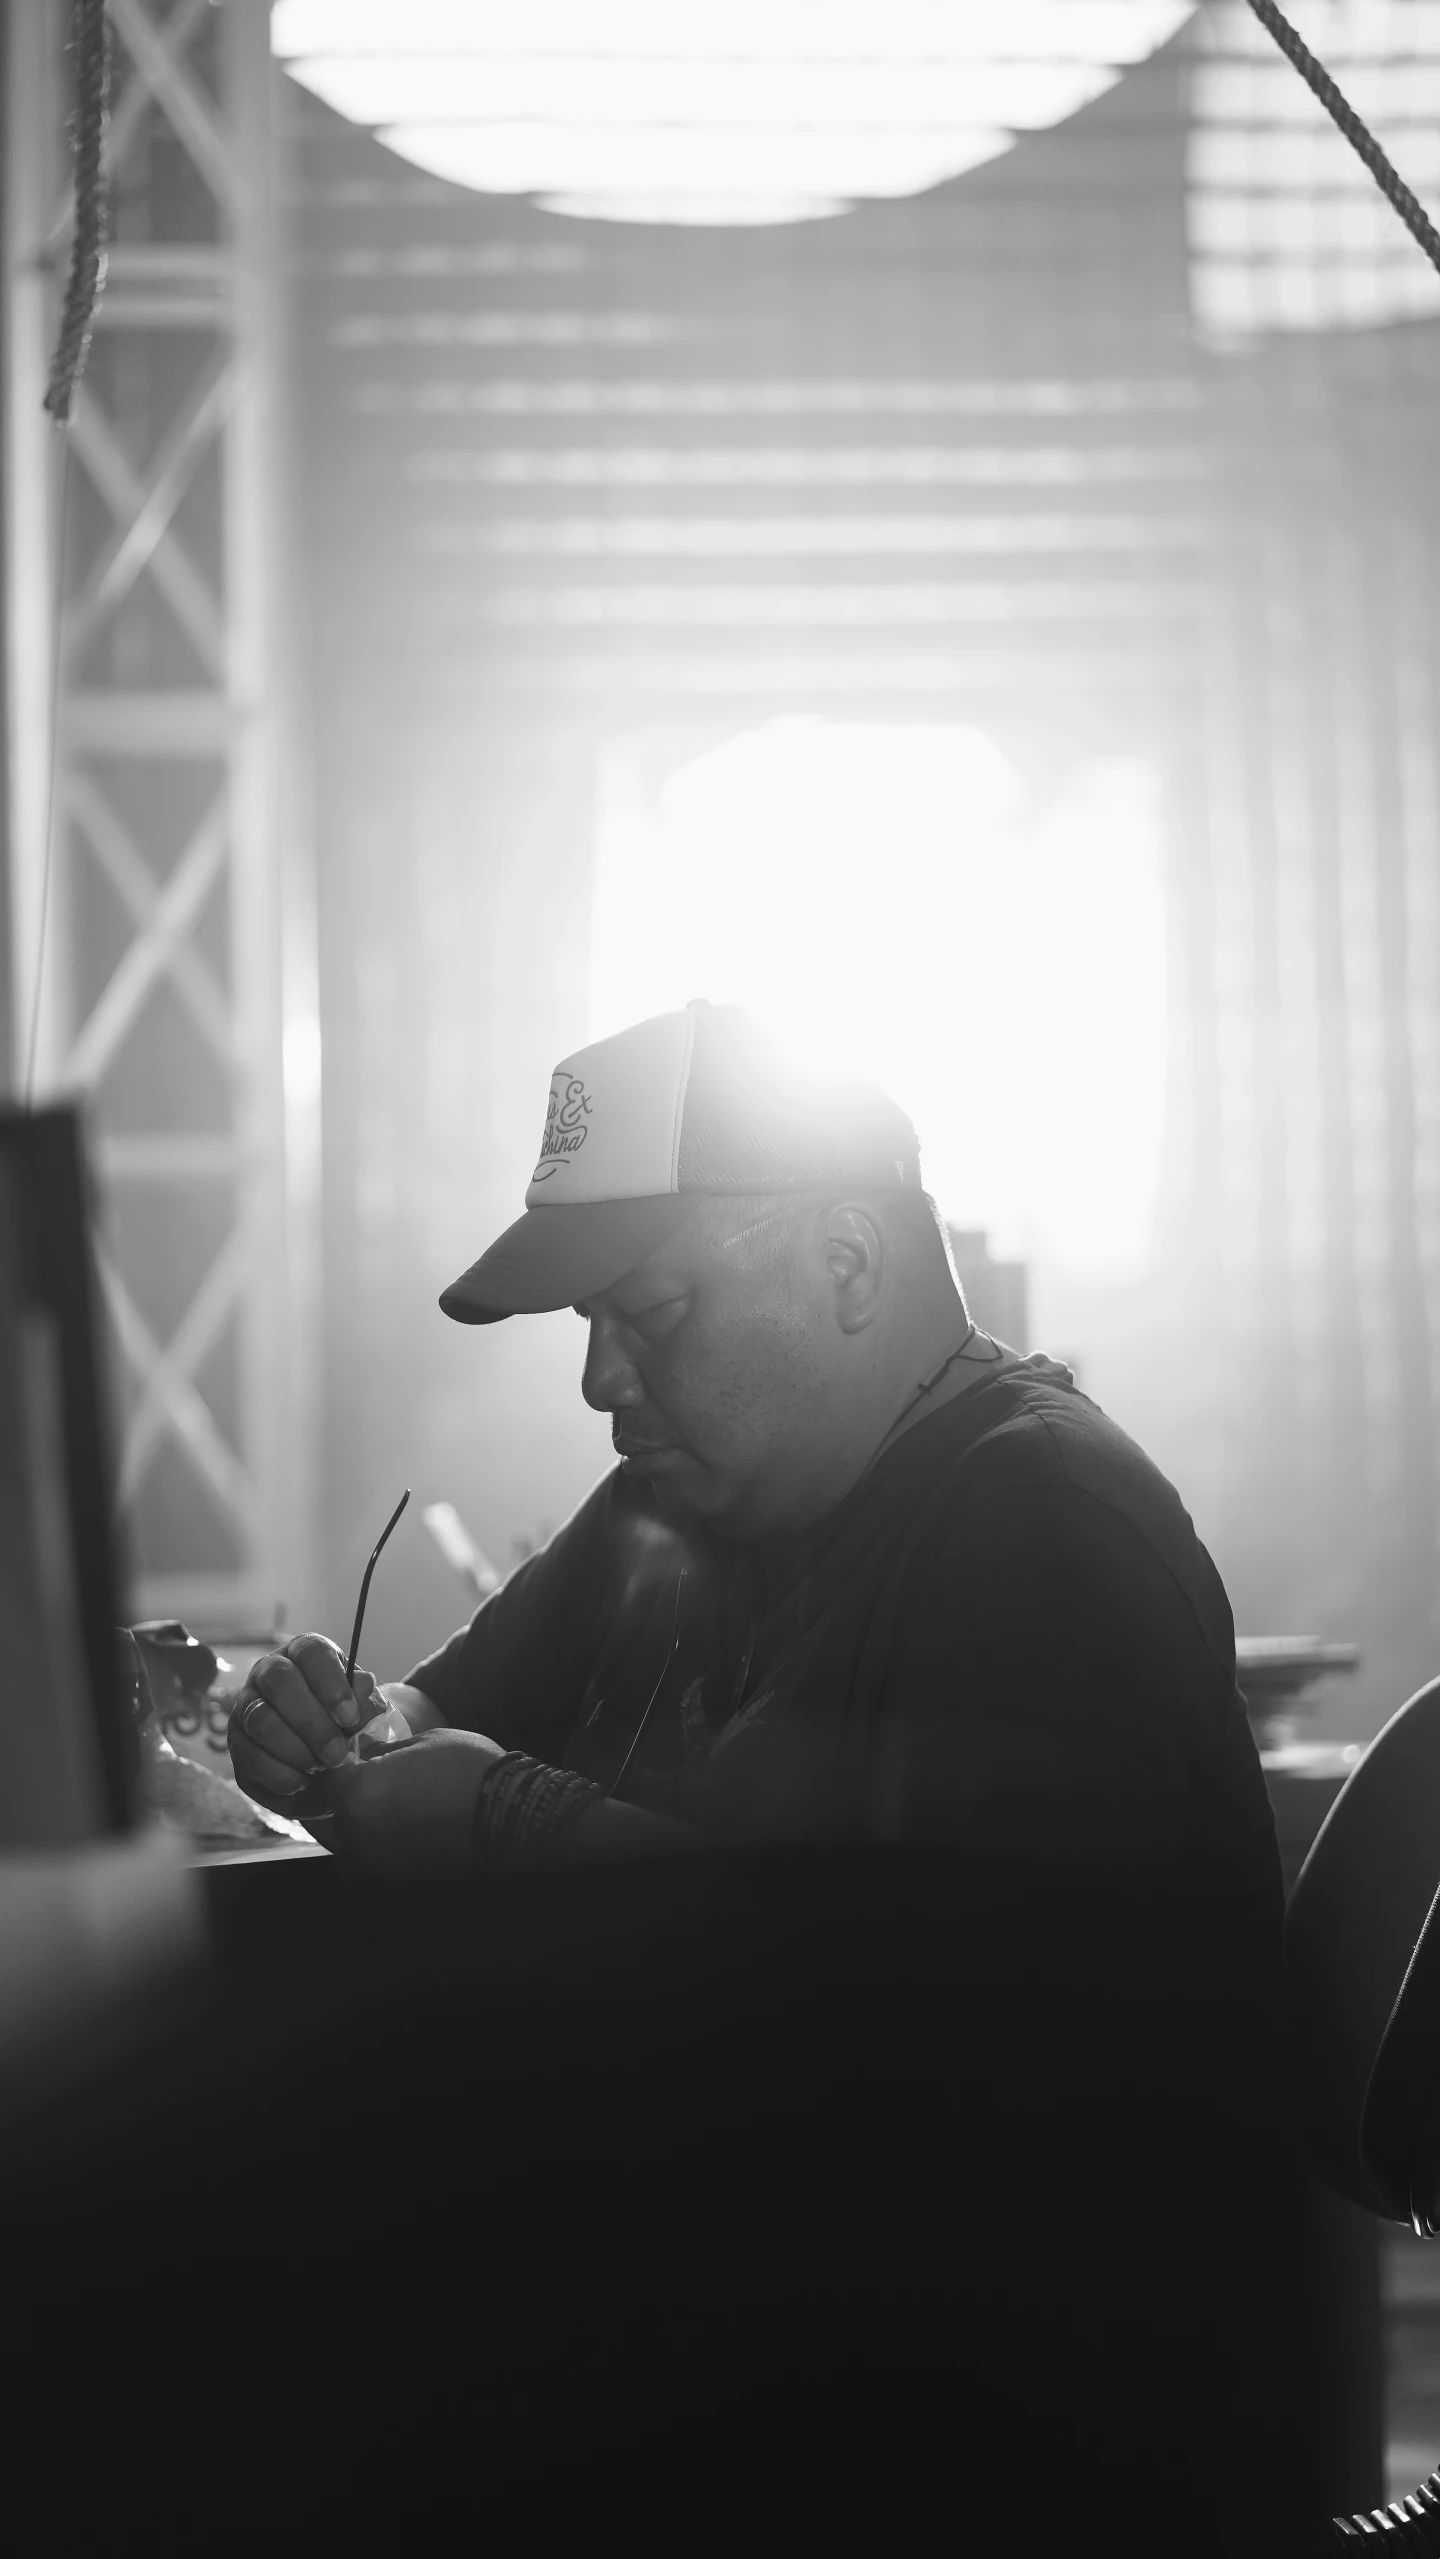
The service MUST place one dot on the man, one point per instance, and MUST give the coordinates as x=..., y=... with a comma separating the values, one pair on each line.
x=860, y=1571
x=949, y=2076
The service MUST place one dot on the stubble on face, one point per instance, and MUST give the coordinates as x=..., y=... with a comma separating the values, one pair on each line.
x=742, y=1382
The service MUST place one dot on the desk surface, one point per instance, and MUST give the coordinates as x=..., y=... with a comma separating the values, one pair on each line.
x=1272, y=1666
x=249, y=1852
x=1303, y=1778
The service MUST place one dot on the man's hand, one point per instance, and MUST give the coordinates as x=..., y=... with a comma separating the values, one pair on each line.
x=410, y=1807
x=294, y=1716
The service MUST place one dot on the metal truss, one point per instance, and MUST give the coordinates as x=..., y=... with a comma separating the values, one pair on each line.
x=175, y=974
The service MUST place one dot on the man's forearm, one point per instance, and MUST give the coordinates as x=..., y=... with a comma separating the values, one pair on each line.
x=616, y=1830
x=529, y=1813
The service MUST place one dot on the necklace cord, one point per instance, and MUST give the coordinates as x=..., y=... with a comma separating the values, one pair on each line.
x=933, y=1380
x=665, y=1668
x=928, y=1384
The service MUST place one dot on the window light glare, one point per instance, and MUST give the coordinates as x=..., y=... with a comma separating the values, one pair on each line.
x=896, y=904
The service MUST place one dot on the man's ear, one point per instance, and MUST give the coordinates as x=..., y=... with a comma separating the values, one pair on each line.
x=855, y=1262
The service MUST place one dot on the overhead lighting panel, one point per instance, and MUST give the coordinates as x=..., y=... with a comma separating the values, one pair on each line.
x=711, y=111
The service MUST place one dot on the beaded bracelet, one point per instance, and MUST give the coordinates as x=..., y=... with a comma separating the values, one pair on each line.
x=520, y=1806
x=542, y=1800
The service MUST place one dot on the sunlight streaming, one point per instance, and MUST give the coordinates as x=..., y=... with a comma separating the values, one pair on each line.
x=896, y=902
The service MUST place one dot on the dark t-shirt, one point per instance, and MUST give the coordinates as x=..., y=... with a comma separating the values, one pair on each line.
x=1007, y=1635
x=1007, y=1638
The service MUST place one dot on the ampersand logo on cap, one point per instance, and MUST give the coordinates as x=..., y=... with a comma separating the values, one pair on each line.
x=566, y=1112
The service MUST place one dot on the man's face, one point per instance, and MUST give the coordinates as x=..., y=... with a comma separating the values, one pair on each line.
x=714, y=1361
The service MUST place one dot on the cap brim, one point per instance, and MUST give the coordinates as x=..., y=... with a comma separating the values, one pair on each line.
x=553, y=1257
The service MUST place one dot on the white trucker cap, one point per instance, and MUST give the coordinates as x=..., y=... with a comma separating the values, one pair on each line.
x=640, y=1127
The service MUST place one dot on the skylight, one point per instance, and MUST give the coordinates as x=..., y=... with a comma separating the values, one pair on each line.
x=711, y=111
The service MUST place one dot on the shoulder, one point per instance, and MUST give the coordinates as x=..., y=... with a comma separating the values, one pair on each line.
x=1033, y=1433
x=1045, y=1433
x=1045, y=1479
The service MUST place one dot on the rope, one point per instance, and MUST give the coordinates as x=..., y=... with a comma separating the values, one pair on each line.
x=57, y=663
x=90, y=43
x=1357, y=133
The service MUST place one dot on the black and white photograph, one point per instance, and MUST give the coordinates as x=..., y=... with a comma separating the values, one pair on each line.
x=720, y=1277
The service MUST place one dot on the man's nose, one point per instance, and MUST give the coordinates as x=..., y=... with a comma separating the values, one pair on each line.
x=611, y=1382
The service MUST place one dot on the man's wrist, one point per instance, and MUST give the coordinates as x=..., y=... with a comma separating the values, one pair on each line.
x=522, y=1805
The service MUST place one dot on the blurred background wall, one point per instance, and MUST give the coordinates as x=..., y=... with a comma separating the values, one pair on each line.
x=1104, y=474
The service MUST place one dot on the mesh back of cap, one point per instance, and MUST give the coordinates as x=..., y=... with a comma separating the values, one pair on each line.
x=753, y=1122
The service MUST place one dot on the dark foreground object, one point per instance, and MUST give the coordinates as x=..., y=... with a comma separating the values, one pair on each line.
x=807, y=2196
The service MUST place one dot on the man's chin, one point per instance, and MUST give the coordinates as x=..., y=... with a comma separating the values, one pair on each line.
x=654, y=1467
x=671, y=1479
x=641, y=1461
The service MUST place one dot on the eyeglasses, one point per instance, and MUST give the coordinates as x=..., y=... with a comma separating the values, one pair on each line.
x=365, y=1587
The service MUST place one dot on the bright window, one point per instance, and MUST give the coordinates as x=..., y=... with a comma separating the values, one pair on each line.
x=896, y=900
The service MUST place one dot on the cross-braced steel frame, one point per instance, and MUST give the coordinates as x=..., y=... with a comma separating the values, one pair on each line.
x=161, y=963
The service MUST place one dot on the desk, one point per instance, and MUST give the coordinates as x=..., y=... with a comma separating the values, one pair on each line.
x=1342, y=2243
x=258, y=1852
x=787, y=2303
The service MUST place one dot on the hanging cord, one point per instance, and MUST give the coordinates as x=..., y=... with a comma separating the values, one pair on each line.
x=32, y=1045
x=1357, y=133
x=90, y=43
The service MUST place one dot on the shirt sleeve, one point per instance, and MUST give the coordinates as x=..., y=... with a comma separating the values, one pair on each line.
x=518, y=1670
